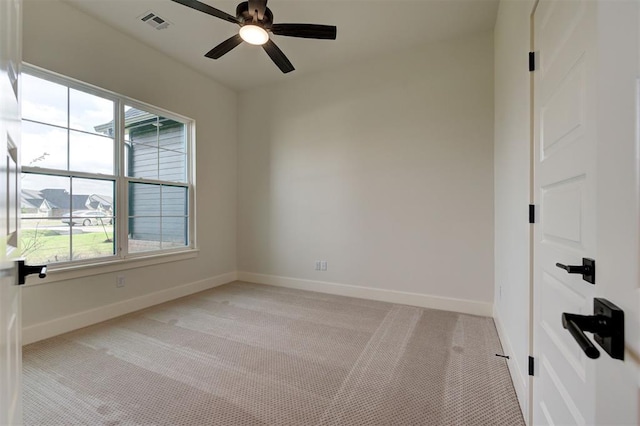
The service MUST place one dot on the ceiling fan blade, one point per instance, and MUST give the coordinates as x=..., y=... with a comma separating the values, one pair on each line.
x=278, y=57
x=324, y=32
x=260, y=6
x=194, y=4
x=224, y=47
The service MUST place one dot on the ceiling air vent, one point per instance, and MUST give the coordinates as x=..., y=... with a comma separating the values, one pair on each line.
x=154, y=20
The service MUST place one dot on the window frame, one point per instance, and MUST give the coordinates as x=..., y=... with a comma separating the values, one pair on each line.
x=122, y=258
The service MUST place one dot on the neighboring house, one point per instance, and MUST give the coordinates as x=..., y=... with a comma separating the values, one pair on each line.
x=53, y=202
x=32, y=204
x=100, y=202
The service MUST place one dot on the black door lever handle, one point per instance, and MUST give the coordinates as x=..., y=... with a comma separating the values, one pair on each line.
x=577, y=325
x=574, y=269
x=587, y=269
x=606, y=324
x=24, y=270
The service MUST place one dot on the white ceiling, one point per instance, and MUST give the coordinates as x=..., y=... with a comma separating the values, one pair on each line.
x=366, y=29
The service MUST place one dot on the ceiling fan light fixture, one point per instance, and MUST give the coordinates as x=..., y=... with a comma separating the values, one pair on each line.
x=253, y=34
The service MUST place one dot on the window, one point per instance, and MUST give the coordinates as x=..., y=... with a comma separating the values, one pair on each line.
x=104, y=178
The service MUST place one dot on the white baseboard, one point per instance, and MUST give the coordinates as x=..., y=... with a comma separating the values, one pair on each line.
x=517, y=377
x=36, y=332
x=414, y=299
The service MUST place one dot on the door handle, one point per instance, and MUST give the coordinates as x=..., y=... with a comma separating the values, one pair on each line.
x=24, y=270
x=587, y=269
x=607, y=326
x=577, y=325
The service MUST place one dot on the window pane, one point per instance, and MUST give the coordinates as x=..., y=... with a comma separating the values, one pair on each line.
x=173, y=166
x=142, y=161
x=144, y=199
x=157, y=148
x=44, y=201
x=175, y=208
x=45, y=240
x=141, y=130
x=144, y=234
x=61, y=227
x=158, y=217
x=44, y=196
x=174, y=232
x=93, y=240
x=127, y=156
x=90, y=153
x=94, y=195
x=44, y=101
x=172, y=135
x=141, y=126
x=44, y=146
x=174, y=201
x=90, y=113
x=129, y=117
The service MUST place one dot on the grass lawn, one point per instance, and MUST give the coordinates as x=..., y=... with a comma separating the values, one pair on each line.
x=49, y=246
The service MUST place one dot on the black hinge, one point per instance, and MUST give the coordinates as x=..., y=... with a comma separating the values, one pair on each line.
x=531, y=366
x=532, y=213
x=532, y=61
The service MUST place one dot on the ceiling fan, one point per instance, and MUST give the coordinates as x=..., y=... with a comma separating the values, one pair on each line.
x=256, y=22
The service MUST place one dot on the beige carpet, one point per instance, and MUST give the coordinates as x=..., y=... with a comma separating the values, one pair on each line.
x=249, y=354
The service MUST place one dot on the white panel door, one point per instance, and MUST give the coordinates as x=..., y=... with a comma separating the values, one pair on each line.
x=579, y=195
x=10, y=325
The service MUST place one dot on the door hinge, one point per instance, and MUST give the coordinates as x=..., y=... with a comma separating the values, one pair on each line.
x=532, y=213
x=531, y=370
x=532, y=61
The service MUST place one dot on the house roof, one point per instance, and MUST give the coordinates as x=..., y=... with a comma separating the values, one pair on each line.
x=31, y=194
x=30, y=199
x=31, y=203
x=96, y=201
x=132, y=117
x=59, y=199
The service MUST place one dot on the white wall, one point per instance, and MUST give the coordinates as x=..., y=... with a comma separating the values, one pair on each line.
x=384, y=169
x=62, y=39
x=511, y=180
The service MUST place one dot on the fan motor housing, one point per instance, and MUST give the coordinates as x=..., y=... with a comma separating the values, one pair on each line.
x=244, y=16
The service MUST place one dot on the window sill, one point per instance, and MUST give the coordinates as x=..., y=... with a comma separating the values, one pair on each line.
x=104, y=267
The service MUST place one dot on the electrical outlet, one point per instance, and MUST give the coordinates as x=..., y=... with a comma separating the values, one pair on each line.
x=318, y=265
x=323, y=265
x=120, y=281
